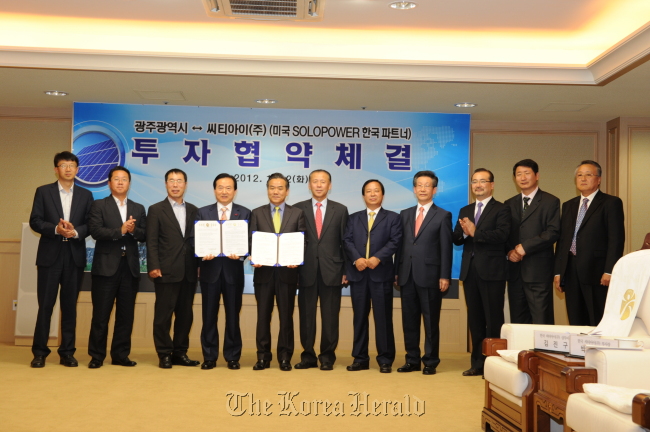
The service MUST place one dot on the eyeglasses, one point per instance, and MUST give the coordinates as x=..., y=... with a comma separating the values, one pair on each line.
x=66, y=166
x=178, y=182
x=482, y=181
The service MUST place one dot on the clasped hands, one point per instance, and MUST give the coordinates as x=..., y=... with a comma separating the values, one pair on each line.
x=128, y=226
x=66, y=229
x=468, y=226
x=517, y=254
x=363, y=263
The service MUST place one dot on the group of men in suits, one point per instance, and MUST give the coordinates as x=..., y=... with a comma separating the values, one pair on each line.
x=372, y=250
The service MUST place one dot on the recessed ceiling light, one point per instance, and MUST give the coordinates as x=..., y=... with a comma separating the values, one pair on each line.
x=56, y=93
x=465, y=105
x=402, y=5
x=266, y=101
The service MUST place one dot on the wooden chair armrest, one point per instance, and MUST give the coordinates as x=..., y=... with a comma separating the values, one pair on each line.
x=575, y=377
x=641, y=410
x=491, y=345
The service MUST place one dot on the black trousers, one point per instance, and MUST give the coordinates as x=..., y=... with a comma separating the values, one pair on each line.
x=585, y=303
x=421, y=304
x=232, y=301
x=530, y=302
x=485, y=301
x=380, y=294
x=65, y=273
x=330, y=306
x=285, y=296
x=122, y=289
x=173, y=299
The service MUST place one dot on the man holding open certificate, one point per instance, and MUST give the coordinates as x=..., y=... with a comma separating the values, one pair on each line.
x=276, y=259
x=221, y=240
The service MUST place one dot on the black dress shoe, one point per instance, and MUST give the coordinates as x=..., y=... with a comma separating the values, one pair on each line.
x=473, y=372
x=358, y=366
x=165, y=362
x=183, y=360
x=285, y=365
x=95, y=364
x=38, y=362
x=428, y=370
x=261, y=365
x=124, y=362
x=306, y=365
x=326, y=366
x=233, y=364
x=69, y=361
x=409, y=367
x=209, y=364
x=385, y=368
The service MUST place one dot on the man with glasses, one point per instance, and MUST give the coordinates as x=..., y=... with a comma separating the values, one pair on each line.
x=483, y=228
x=172, y=266
x=60, y=216
x=591, y=241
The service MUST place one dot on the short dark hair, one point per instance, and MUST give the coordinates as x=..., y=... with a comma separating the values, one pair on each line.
x=363, y=188
x=222, y=176
x=118, y=168
x=425, y=173
x=320, y=170
x=277, y=176
x=528, y=163
x=65, y=156
x=591, y=162
x=175, y=171
x=484, y=170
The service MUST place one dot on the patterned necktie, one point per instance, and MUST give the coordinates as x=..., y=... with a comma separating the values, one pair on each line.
x=223, y=213
x=526, y=199
x=276, y=220
x=370, y=222
x=319, y=219
x=418, y=221
x=478, y=213
x=581, y=215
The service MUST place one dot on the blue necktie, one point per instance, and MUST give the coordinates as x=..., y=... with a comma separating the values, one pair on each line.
x=581, y=215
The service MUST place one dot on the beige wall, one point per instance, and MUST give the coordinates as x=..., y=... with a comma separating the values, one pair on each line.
x=638, y=214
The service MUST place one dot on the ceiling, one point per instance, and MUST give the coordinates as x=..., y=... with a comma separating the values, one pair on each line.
x=559, y=60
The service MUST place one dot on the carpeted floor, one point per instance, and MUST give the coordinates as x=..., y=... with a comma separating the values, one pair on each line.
x=147, y=398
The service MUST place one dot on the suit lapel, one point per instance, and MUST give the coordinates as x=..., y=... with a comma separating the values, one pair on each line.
x=378, y=218
x=409, y=227
x=75, y=201
x=56, y=197
x=169, y=213
x=598, y=201
x=288, y=210
x=485, y=211
x=329, y=215
x=114, y=210
x=430, y=214
x=235, y=213
x=310, y=218
x=268, y=218
x=533, y=205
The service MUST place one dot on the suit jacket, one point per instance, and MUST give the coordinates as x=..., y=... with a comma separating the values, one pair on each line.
x=488, y=245
x=105, y=224
x=385, y=238
x=428, y=255
x=537, y=232
x=233, y=270
x=293, y=220
x=167, y=248
x=46, y=212
x=326, y=253
x=600, y=240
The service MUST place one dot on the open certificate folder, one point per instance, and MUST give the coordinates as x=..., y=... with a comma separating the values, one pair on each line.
x=221, y=238
x=278, y=250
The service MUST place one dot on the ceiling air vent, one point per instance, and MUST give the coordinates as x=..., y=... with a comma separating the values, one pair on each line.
x=280, y=10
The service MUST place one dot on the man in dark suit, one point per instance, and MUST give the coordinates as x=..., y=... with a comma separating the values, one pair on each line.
x=172, y=266
x=117, y=224
x=222, y=276
x=372, y=237
x=276, y=282
x=423, y=273
x=322, y=274
x=483, y=228
x=591, y=241
x=535, y=229
x=59, y=215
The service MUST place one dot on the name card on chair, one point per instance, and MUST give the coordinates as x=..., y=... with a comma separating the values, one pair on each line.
x=552, y=341
x=578, y=342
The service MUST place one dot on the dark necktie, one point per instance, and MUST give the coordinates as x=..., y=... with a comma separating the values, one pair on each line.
x=526, y=199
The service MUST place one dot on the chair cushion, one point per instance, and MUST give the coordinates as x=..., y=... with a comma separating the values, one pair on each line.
x=618, y=398
x=509, y=355
x=505, y=375
x=584, y=414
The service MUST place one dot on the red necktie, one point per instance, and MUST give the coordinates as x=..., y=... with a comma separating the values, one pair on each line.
x=319, y=219
x=418, y=220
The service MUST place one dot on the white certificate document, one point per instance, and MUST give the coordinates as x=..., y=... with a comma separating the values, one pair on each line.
x=207, y=238
x=291, y=249
x=234, y=237
x=264, y=249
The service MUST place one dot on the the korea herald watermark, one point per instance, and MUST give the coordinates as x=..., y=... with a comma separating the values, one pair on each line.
x=289, y=403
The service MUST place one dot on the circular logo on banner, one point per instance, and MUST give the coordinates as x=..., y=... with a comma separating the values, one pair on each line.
x=99, y=147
